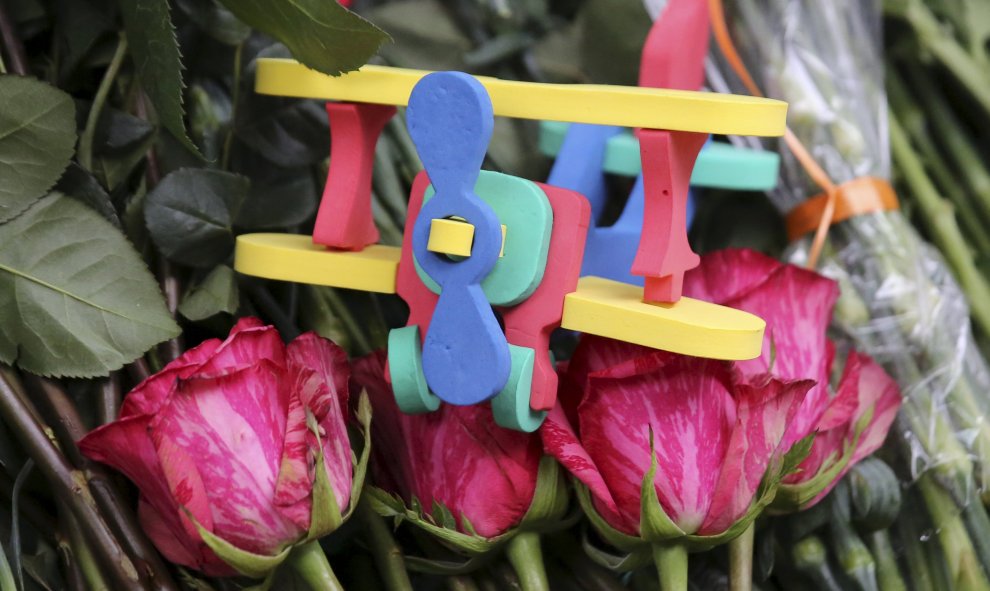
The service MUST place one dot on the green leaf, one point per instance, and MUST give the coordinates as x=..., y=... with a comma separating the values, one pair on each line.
x=279, y=198
x=217, y=293
x=288, y=132
x=210, y=113
x=78, y=183
x=320, y=33
x=37, y=140
x=215, y=20
x=79, y=25
x=120, y=143
x=75, y=299
x=155, y=50
x=190, y=215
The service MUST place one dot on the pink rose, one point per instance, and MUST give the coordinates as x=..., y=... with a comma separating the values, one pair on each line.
x=797, y=304
x=456, y=457
x=222, y=445
x=715, y=434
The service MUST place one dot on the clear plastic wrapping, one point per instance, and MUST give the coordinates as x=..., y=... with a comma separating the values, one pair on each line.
x=899, y=302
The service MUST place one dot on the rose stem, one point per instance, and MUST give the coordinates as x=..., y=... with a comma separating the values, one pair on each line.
x=311, y=564
x=526, y=557
x=671, y=561
x=85, y=153
x=461, y=583
x=270, y=307
x=83, y=557
x=67, y=483
x=16, y=56
x=585, y=571
x=888, y=573
x=68, y=428
x=138, y=370
x=70, y=568
x=741, y=560
x=110, y=398
x=168, y=280
x=939, y=215
x=387, y=554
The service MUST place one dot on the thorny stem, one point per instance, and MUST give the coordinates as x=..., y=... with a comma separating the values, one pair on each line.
x=526, y=557
x=70, y=567
x=168, y=280
x=271, y=308
x=138, y=370
x=311, y=564
x=86, y=138
x=387, y=554
x=939, y=216
x=671, y=561
x=12, y=44
x=68, y=484
x=110, y=398
x=69, y=429
x=741, y=560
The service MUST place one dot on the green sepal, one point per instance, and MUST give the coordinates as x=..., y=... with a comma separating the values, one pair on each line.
x=447, y=567
x=247, y=563
x=616, y=538
x=613, y=562
x=361, y=465
x=325, y=514
x=546, y=513
x=265, y=584
x=388, y=505
x=654, y=523
x=795, y=497
x=550, y=499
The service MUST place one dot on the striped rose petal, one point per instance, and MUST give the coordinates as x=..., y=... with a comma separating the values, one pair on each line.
x=561, y=442
x=149, y=396
x=797, y=306
x=687, y=404
x=763, y=413
x=125, y=446
x=455, y=456
x=231, y=428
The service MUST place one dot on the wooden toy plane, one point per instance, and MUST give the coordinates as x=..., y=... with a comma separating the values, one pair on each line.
x=490, y=263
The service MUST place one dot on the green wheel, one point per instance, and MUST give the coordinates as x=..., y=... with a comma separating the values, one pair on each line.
x=511, y=405
x=405, y=365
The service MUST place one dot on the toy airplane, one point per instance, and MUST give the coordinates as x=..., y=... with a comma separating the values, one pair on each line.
x=480, y=246
x=672, y=57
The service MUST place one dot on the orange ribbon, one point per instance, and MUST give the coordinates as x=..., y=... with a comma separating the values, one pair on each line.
x=857, y=197
x=834, y=202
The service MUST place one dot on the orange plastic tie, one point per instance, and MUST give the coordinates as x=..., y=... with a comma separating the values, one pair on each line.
x=857, y=197
x=816, y=172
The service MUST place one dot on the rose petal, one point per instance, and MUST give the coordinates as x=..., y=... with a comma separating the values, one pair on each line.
x=233, y=427
x=763, y=415
x=149, y=396
x=879, y=390
x=330, y=363
x=249, y=342
x=294, y=486
x=560, y=441
x=126, y=446
x=176, y=548
x=728, y=274
x=687, y=404
x=455, y=456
